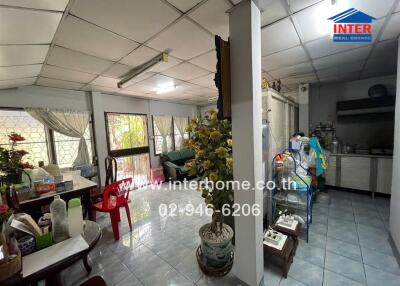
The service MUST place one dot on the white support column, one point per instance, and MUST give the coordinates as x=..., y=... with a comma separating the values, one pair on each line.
x=245, y=53
x=304, y=113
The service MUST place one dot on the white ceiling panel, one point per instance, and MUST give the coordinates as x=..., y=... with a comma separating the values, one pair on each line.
x=185, y=39
x=279, y=36
x=274, y=10
x=139, y=56
x=162, y=66
x=125, y=92
x=206, y=81
x=99, y=88
x=4, y=84
x=397, y=8
x=285, y=58
x=212, y=15
x=325, y=46
x=21, y=26
x=66, y=74
x=306, y=78
x=22, y=55
x=340, y=77
x=139, y=88
x=79, y=35
x=343, y=58
x=207, y=61
x=117, y=70
x=159, y=81
x=106, y=81
x=74, y=60
x=294, y=70
x=16, y=72
x=392, y=29
x=380, y=67
x=55, y=5
x=184, y=5
x=134, y=19
x=59, y=83
x=185, y=71
x=386, y=49
x=339, y=69
x=296, y=5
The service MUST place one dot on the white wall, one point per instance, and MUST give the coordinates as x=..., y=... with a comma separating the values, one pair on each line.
x=395, y=198
x=364, y=131
x=54, y=98
x=37, y=96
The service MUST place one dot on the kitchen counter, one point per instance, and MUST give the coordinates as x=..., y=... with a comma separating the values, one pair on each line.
x=372, y=173
x=362, y=155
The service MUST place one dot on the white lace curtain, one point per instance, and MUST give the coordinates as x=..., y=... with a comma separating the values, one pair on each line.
x=69, y=123
x=164, y=125
x=181, y=123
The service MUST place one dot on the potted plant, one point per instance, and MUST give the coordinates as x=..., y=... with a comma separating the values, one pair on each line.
x=11, y=165
x=211, y=139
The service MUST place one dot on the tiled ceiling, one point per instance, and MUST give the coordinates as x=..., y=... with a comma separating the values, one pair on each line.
x=89, y=45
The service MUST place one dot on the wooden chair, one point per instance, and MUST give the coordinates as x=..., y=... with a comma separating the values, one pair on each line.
x=115, y=196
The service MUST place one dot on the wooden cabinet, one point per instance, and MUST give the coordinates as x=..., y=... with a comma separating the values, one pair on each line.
x=384, y=175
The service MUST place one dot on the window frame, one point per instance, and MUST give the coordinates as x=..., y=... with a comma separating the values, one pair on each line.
x=173, y=133
x=50, y=139
x=128, y=151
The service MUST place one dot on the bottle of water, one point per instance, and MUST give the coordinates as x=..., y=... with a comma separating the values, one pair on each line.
x=75, y=218
x=58, y=210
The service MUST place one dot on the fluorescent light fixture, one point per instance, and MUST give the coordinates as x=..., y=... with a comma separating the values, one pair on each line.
x=126, y=78
x=325, y=10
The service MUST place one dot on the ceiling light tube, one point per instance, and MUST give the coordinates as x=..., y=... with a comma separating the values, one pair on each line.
x=162, y=57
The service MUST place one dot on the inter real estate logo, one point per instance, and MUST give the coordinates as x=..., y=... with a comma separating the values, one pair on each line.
x=352, y=26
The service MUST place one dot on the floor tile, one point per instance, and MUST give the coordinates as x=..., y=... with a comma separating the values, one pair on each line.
x=343, y=248
x=315, y=239
x=311, y=254
x=189, y=268
x=343, y=234
x=289, y=282
x=272, y=277
x=344, y=266
x=334, y=279
x=306, y=272
x=319, y=228
x=385, y=262
x=377, y=277
x=130, y=280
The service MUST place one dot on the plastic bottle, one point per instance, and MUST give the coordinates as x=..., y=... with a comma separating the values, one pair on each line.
x=58, y=210
x=75, y=218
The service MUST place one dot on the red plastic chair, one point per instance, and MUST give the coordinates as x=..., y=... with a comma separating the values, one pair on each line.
x=115, y=196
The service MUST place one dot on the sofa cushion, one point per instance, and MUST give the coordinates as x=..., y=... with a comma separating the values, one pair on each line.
x=172, y=156
x=187, y=153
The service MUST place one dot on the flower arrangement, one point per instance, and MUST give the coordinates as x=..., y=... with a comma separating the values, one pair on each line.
x=5, y=213
x=11, y=164
x=211, y=139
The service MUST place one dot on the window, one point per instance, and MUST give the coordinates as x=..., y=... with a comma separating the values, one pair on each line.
x=67, y=147
x=127, y=141
x=43, y=144
x=34, y=132
x=174, y=137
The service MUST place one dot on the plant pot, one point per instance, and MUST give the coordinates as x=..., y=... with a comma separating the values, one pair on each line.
x=217, y=251
x=14, y=178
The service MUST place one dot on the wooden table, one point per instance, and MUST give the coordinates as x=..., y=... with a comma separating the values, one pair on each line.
x=286, y=254
x=81, y=189
x=294, y=234
x=51, y=274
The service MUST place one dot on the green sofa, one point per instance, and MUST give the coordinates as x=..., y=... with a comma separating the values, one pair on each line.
x=173, y=163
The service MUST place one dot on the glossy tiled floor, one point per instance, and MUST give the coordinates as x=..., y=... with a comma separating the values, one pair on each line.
x=348, y=246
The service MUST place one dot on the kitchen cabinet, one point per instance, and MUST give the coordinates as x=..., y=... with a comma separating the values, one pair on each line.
x=384, y=176
x=330, y=173
x=360, y=172
x=355, y=173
